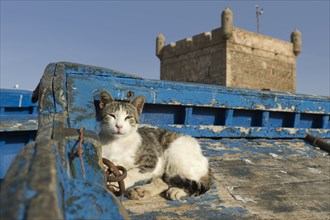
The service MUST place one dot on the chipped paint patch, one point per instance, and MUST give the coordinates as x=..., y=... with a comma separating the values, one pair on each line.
x=244, y=130
x=260, y=106
x=177, y=126
x=215, y=129
x=275, y=156
x=279, y=107
x=243, y=199
x=291, y=131
x=248, y=161
x=314, y=170
x=17, y=125
x=214, y=101
x=174, y=102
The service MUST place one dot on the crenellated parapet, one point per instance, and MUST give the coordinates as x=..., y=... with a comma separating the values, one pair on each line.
x=206, y=39
x=186, y=45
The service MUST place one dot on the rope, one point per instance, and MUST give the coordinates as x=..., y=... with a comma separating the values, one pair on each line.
x=80, y=151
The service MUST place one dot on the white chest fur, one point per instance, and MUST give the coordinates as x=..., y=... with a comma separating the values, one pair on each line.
x=121, y=151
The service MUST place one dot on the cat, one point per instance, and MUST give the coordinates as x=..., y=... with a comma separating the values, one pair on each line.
x=172, y=162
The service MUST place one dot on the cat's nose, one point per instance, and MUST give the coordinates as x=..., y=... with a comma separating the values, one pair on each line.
x=119, y=126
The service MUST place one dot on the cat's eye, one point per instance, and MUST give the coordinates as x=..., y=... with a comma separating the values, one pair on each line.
x=128, y=117
x=108, y=116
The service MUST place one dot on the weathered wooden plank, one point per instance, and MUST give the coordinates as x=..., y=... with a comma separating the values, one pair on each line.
x=16, y=185
x=30, y=187
x=240, y=131
x=43, y=182
x=19, y=125
x=84, y=200
x=206, y=95
x=75, y=68
x=46, y=107
x=87, y=116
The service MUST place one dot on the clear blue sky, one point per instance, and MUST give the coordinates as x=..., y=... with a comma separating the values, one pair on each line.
x=121, y=34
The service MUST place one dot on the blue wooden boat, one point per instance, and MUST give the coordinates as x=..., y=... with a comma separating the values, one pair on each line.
x=255, y=140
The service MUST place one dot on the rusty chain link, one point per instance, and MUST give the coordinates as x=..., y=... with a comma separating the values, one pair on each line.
x=115, y=174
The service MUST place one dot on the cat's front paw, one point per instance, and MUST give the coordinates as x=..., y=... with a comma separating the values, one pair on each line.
x=175, y=193
x=136, y=193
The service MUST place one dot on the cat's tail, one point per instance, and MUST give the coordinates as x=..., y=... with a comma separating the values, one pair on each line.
x=192, y=187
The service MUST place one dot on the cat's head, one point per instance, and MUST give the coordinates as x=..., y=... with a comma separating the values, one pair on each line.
x=120, y=118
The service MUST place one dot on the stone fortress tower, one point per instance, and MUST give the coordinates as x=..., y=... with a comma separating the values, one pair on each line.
x=232, y=57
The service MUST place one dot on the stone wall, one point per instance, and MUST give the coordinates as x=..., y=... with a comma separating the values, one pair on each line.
x=260, y=62
x=200, y=59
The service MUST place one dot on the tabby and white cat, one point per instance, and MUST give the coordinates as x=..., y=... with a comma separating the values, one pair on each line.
x=173, y=162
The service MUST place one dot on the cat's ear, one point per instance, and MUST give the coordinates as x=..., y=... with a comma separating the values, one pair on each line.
x=105, y=98
x=138, y=102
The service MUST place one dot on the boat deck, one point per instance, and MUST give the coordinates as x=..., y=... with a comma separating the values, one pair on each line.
x=253, y=179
